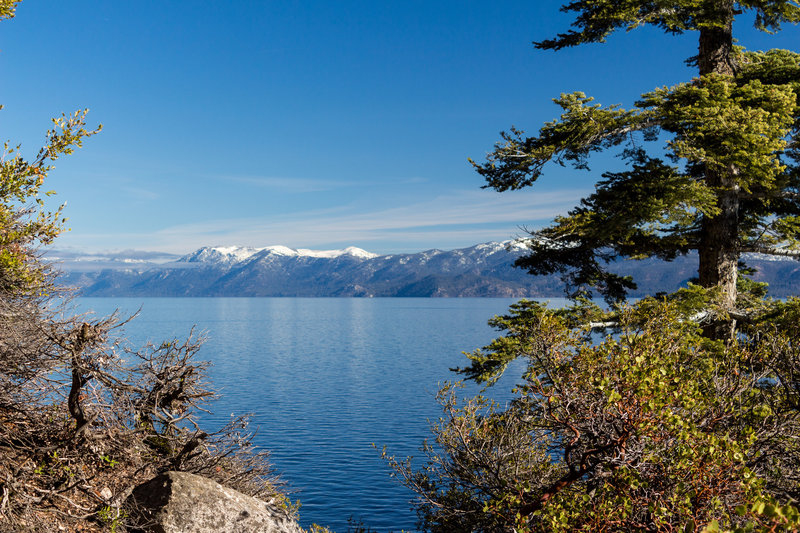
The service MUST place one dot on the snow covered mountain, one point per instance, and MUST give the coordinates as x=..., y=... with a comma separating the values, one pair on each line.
x=481, y=270
x=230, y=255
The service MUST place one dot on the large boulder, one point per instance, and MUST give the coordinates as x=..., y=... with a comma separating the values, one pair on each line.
x=177, y=502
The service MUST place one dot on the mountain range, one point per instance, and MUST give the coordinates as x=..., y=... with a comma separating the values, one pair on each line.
x=483, y=270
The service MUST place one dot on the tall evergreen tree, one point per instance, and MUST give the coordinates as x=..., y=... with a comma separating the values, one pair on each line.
x=658, y=428
x=713, y=163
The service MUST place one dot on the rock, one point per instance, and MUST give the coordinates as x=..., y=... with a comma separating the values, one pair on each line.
x=178, y=502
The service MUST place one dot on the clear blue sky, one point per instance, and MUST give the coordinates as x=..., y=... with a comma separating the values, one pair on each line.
x=307, y=123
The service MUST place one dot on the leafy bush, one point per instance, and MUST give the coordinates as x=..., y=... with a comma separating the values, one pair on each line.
x=655, y=428
x=83, y=417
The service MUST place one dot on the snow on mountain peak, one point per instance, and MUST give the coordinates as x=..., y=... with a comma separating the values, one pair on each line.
x=278, y=249
x=326, y=254
x=232, y=255
x=358, y=252
x=220, y=254
x=515, y=245
x=237, y=254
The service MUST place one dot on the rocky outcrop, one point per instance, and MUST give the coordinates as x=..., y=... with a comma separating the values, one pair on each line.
x=177, y=502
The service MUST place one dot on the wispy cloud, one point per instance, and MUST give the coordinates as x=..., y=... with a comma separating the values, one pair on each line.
x=462, y=218
x=291, y=185
x=141, y=194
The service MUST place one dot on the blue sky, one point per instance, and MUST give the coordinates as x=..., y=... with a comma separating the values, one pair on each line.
x=310, y=124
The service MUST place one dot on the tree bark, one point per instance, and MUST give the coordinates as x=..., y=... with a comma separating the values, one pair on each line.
x=719, y=248
x=83, y=337
x=719, y=234
x=716, y=40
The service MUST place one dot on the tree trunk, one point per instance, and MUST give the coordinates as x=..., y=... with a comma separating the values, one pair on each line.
x=719, y=247
x=716, y=42
x=719, y=234
x=83, y=337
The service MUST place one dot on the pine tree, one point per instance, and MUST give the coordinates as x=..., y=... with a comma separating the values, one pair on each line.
x=713, y=163
x=660, y=427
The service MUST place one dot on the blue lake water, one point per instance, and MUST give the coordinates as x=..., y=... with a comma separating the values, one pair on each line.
x=325, y=378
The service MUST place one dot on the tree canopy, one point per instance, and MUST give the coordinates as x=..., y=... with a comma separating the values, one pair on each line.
x=686, y=416
x=653, y=429
x=712, y=164
x=597, y=19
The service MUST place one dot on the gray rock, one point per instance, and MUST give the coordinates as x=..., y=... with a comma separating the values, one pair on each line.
x=177, y=502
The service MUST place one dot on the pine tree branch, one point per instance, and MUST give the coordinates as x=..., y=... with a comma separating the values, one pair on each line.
x=699, y=317
x=782, y=195
x=781, y=252
x=603, y=325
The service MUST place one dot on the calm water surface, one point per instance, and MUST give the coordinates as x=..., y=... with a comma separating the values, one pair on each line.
x=325, y=378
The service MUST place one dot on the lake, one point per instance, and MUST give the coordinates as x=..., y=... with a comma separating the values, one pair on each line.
x=325, y=378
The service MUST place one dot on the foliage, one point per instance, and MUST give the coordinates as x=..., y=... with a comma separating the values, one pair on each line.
x=656, y=207
x=686, y=416
x=597, y=19
x=84, y=417
x=712, y=164
x=655, y=428
x=7, y=8
x=24, y=221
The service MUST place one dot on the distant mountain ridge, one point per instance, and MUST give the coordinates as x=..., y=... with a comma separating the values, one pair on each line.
x=483, y=270
x=228, y=255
